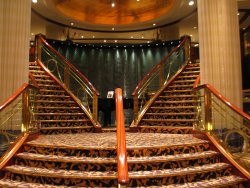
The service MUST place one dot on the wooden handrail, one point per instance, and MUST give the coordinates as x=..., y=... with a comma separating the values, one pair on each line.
x=158, y=65
x=223, y=99
x=122, y=163
x=69, y=64
x=14, y=96
x=33, y=80
x=197, y=81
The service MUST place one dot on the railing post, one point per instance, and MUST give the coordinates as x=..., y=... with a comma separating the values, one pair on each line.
x=135, y=108
x=95, y=107
x=161, y=78
x=208, y=110
x=38, y=48
x=66, y=75
x=187, y=48
x=25, y=111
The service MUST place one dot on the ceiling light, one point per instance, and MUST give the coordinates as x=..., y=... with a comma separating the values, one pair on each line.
x=82, y=36
x=191, y=3
x=131, y=37
x=113, y=4
x=195, y=27
x=148, y=41
x=154, y=24
x=196, y=45
x=115, y=40
x=137, y=0
x=238, y=13
x=93, y=36
x=105, y=41
x=71, y=23
x=34, y=1
x=113, y=29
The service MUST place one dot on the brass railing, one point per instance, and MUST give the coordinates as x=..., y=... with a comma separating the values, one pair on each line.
x=225, y=122
x=16, y=116
x=72, y=78
x=159, y=75
x=122, y=164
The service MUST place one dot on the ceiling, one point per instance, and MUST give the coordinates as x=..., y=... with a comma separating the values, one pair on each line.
x=119, y=20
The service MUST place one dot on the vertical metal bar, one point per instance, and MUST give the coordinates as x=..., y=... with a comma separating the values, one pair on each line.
x=135, y=108
x=95, y=107
x=187, y=48
x=38, y=48
x=25, y=111
x=208, y=110
x=161, y=78
x=66, y=75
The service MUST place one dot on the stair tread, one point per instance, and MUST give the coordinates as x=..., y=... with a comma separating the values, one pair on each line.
x=63, y=120
x=175, y=96
x=60, y=114
x=51, y=90
x=177, y=171
x=59, y=96
x=177, y=101
x=20, y=184
x=172, y=107
x=57, y=107
x=58, y=173
x=217, y=182
x=183, y=81
x=171, y=114
x=50, y=101
x=58, y=128
x=77, y=159
x=171, y=120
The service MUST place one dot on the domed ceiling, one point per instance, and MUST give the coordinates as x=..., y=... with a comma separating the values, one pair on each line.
x=118, y=15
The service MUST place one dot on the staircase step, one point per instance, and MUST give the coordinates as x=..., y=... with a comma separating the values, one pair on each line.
x=192, y=68
x=224, y=181
x=176, y=102
x=182, y=86
x=50, y=101
x=47, y=85
x=184, y=77
x=52, y=96
x=47, y=80
x=55, y=173
x=41, y=76
x=173, y=107
x=179, y=91
x=37, y=71
x=171, y=120
x=7, y=183
x=183, y=81
x=191, y=72
x=63, y=120
x=177, y=96
x=172, y=114
x=167, y=176
x=166, y=129
x=59, y=114
x=52, y=90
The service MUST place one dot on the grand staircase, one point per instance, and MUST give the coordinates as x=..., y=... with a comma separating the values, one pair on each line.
x=68, y=153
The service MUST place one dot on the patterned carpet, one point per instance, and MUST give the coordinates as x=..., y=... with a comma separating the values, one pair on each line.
x=108, y=140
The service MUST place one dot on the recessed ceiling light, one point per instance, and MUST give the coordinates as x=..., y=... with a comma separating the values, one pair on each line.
x=113, y=4
x=131, y=37
x=113, y=28
x=238, y=13
x=34, y=1
x=105, y=41
x=93, y=36
x=154, y=24
x=71, y=23
x=195, y=27
x=82, y=36
x=191, y=3
x=148, y=41
x=137, y=0
x=115, y=40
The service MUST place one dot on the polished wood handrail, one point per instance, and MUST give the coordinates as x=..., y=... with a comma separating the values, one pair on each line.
x=197, y=81
x=157, y=66
x=13, y=149
x=33, y=80
x=96, y=124
x=14, y=96
x=214, y=139
x=122, y=163
x=223, y=99
x=69, y=64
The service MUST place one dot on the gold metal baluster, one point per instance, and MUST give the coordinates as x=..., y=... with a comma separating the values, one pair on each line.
x=208, y=110
x=25, y=112
x=135, y=108
x=95, y=107
x=66, y=75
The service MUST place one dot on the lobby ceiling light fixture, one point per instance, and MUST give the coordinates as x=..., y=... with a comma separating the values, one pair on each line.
x=71, y=23
x=113, y=4
x=191, y=3
x=154, y=24
x=34, y=1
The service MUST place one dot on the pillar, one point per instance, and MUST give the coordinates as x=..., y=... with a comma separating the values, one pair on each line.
x=219, y=40
x=14, y=45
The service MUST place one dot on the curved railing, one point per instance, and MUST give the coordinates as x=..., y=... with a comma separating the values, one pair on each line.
x=16, y=116
x=160, y=74
x=122, y=164
x=225, y=122
x=72, y=78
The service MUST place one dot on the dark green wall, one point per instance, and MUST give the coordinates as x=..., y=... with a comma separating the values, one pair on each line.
x=110, y=67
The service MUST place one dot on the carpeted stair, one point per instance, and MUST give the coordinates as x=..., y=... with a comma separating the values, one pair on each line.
x=89, y=160
x=55, y=110
x=174, y=110
x=86, y=159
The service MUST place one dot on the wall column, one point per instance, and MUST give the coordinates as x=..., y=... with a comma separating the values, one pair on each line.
x=14, y=45
x=220, y=47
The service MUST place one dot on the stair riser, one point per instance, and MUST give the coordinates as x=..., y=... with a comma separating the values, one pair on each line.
x=172, y=110
x=60, y=117
x=174, y=124
x=54, y=110
x=66, y=181
x=182, y=178
x=175, y=99
x=173, y=150
x=54, y=104
x=55, y=98
x=71, y=151
x=169, y=116
x=68, y=165
x=67, y=131
x=64, y=124
x=157, y=129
